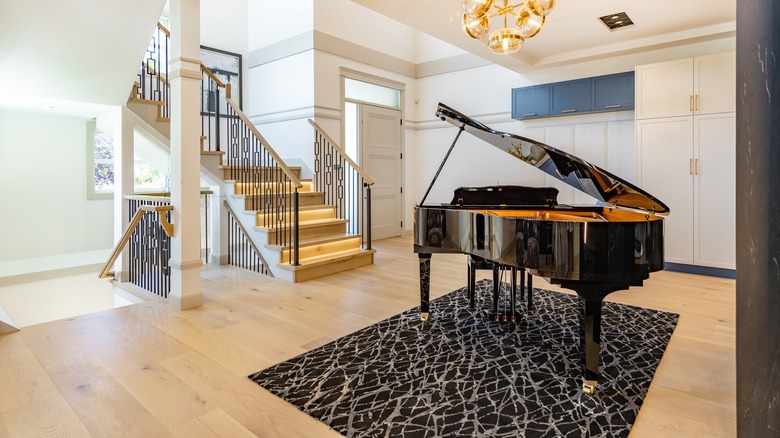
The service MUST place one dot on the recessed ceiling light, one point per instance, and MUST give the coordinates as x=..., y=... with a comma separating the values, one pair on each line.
x=616, y=21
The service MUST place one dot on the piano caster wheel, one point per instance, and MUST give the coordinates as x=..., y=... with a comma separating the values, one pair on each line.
x=424, y=316
x=589, y=388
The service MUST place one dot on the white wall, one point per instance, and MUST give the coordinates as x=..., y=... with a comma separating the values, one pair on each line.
x=43, y=176
x=271, y=22
x=352, y=22
x=224, y=25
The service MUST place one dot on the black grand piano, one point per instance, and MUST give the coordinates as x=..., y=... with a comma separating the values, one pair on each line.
x=593, y=250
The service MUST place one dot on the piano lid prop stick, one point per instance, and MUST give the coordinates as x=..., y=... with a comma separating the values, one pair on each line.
x=441, y=166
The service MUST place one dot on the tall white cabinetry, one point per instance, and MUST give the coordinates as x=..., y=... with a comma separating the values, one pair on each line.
x=686, y=142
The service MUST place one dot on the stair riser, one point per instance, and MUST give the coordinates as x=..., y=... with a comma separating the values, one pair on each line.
x=304, y=200
x=321, y=250
x=331, y=268
x=303, y=216
x=251, y=189
x=241, y=176
x=319, y=231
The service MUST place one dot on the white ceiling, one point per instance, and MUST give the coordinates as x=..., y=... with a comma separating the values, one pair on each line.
x=572, y=32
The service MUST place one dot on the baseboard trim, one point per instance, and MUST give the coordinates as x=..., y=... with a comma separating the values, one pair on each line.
x=701, y=270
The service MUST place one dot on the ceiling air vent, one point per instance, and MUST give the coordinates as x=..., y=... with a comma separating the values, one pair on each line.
x=616, y=21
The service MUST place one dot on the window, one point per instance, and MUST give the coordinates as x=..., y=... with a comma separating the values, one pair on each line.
x=371, y=93
x=100, y=163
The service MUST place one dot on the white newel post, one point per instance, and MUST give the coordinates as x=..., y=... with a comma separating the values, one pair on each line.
x=185, y=154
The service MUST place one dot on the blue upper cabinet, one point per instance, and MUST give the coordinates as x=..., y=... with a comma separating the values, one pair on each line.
x=571, y=96
x=613, y=92
x=530, y=101
x=597, y=94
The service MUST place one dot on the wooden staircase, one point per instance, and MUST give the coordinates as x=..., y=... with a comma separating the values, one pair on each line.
x=325, y=246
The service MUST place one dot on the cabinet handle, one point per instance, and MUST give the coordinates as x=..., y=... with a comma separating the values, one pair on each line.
x=690, y=102
x=690, y=166
x=697, y=102
x=697, y=166
x=529, y=115
x=613, y=106
x=569, y=111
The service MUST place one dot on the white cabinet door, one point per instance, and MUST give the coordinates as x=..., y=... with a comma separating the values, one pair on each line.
x=665, y=152
x=714, y=190
x=664, y=89
x=715, y=83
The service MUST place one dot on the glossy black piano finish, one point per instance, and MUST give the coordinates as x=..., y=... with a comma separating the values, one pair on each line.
x=593, y=250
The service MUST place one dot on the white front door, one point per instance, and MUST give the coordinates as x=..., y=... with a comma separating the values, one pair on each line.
x=380, y=157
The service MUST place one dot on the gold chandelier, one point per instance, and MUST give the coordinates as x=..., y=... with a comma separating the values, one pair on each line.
x=528, y=17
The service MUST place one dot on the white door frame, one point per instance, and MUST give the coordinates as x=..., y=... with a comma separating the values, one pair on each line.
x=384, y=82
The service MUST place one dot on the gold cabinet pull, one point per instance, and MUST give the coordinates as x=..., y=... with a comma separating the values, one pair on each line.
x=690, y=102
x=696, y=167
x=690, y=166
x=697, y=102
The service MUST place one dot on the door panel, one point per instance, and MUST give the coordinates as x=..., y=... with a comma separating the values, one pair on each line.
x=666, y=157
x=381, y=158
x=715, y=190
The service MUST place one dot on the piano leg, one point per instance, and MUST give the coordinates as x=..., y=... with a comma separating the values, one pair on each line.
x=472, y=279
x=512, y=294
x=590, y=336
x=496, y=290
x=425, y=285
x=522, y=283
x=530, y=291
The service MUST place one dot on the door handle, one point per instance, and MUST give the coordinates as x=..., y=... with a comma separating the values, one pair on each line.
x=569, y=111
x=690, y=166
x=690, y=102
x=696, y=170
x=613, y=106
x=697, y=103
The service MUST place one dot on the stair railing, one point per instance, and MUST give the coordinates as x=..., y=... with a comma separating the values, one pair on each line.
x=242, y=251
x=345, y=184
x=148, y=235
x=269, y=186
x=148, y=239
x=153, y=74
x=260, y=175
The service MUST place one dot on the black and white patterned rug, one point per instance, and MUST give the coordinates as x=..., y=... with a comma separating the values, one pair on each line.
x=461, y=375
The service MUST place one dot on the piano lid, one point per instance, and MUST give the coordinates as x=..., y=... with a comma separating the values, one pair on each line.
x=574, y=171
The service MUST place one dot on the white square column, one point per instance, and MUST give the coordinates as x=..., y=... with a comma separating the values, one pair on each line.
x=185, y=81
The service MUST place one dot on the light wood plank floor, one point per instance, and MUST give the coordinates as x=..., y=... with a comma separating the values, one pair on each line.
x=148, y=371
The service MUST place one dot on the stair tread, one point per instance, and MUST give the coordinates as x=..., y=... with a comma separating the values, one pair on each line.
x=312, y=262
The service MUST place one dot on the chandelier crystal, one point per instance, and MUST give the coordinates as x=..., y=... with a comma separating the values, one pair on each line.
x=528, y=17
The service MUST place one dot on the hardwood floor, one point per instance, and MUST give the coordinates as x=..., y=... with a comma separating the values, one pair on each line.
x=147, y=370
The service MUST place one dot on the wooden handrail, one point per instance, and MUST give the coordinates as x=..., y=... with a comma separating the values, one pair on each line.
x=368, y=180
x=167, y=227
x=155, y=73
x=162, y=28
x=296, y=182
x=214, y=78
x=251, y=242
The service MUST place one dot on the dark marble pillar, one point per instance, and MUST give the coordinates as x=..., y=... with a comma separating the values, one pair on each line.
x=758, y=218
